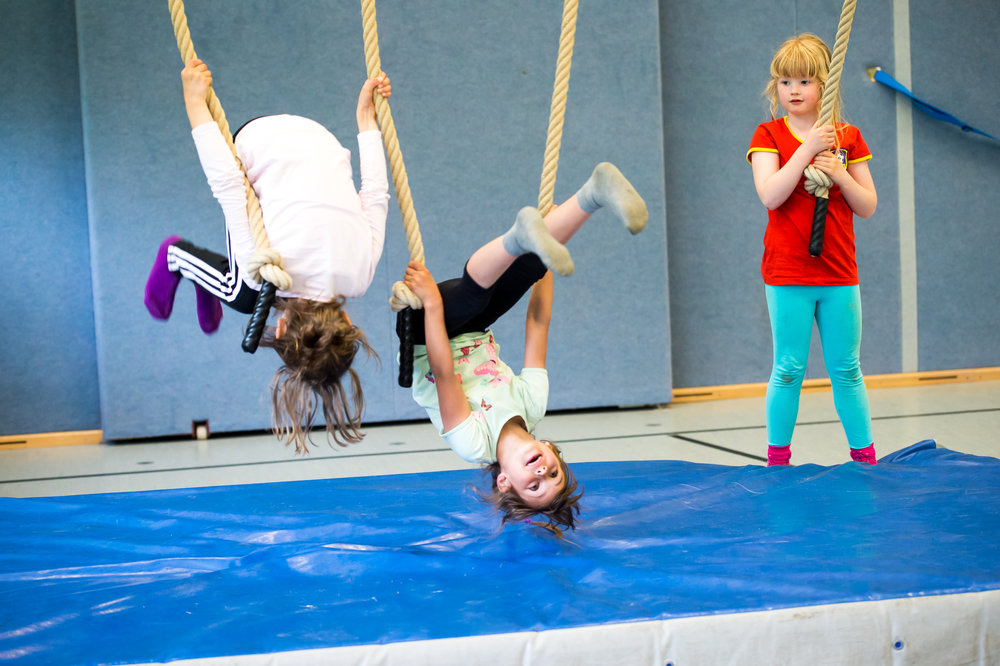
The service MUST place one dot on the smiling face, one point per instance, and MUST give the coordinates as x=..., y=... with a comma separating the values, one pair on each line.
x=531, y=469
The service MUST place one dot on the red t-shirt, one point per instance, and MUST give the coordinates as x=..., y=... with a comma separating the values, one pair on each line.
x=786, y=240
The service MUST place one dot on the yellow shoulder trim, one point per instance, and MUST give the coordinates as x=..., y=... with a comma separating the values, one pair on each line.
x=760, y=150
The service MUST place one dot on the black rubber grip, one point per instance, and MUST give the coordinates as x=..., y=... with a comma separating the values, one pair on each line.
x=819, y=227
x=258, y=319
x=406, y=349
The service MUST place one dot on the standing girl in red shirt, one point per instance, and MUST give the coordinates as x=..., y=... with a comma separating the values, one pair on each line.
x=800, y=287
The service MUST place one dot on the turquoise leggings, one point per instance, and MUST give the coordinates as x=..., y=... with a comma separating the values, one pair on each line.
x=837, y=311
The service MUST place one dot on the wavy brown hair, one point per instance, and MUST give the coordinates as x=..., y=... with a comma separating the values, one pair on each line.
x=317, y=349
x=561, y=513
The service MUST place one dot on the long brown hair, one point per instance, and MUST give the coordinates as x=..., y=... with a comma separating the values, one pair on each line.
x=317, y=348
x=561, y=513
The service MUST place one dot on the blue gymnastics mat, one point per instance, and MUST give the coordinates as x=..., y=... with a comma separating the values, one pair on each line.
x=208, y=572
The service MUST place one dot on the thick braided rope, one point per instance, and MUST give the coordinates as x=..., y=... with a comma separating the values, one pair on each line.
x=557, y=110
x=817, y=182
x=265, y=264
x=402, y=297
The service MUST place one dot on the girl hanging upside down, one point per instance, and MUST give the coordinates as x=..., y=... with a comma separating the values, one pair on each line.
x=329, y=236
x=483, y=410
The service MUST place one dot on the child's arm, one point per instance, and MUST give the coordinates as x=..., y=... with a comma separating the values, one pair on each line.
x=196, y=79
x=451, y=398
x=366, y=104
x=374, y=192
x=775, y=185
x=855, y=183
x=217, y=161
x=536, y=322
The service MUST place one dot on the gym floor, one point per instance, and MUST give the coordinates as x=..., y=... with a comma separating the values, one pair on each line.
x=959, y=416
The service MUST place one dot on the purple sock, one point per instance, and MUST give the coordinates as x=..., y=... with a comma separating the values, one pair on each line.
x=865, y=455
x=162, y=284
x=779, y=455
x=209, y=310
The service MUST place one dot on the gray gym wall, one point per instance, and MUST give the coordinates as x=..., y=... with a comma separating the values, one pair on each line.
x=48, y=362
x=669, y=91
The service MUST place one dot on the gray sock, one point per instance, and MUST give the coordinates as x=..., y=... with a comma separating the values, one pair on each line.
x=608, y=187
x=529, y=234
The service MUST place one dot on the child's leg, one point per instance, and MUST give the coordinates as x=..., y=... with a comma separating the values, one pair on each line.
x=606, y=188
x=546, y=237
x=491, y=261
x=161, y=286
x=791, y=309
x=529, y=235
x=212, y=272
x=838, y=317
x=503, y=295
x=468, y=307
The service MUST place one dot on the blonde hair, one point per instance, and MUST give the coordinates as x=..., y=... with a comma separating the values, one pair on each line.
x=317, y=348
x=803, y=56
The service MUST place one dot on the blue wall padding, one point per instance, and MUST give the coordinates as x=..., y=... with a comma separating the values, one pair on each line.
x=48, y=368
x=671, y=90
x=716, y=57
x=955, y=177
x=274, y=567
x=472, y=86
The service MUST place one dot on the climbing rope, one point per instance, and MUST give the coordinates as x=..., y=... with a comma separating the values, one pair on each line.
x=817, y=182
x=557, y=110
x=264, y=265
x=402, y=300
x=402, y=297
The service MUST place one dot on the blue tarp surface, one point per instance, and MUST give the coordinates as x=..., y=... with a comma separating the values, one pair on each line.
x=172, y=574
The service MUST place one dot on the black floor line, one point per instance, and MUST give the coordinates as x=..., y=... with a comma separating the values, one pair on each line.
x=682, y=435
x=313, y=458
x=719, y=448
x=953, y=413
x=756, y=426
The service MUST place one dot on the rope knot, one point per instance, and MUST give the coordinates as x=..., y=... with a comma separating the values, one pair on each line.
x=403, y=297
x=265, y=266
x=817, y=182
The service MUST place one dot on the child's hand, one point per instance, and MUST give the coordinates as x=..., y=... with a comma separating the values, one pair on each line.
x=196, y=79
x=828, y=163
x=366, y=104
x=820, y=138
x=421, y=282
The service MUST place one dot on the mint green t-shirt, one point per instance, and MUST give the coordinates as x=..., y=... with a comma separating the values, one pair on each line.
x=495, y=394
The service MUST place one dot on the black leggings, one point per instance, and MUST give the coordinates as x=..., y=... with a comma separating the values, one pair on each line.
x=214, y=272
x=469, y=308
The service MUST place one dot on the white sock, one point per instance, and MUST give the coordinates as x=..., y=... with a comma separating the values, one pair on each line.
x=607, y=187
x=529, y=234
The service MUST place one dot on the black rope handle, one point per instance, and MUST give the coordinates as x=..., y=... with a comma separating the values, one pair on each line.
x=406, y=349
x=258, y=319
x=818, y=227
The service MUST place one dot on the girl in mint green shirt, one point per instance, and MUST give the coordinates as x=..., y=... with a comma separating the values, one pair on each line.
x=479, y=405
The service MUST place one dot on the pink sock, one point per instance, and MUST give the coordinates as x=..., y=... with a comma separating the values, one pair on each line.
x=779, y=455
x=865, y=455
